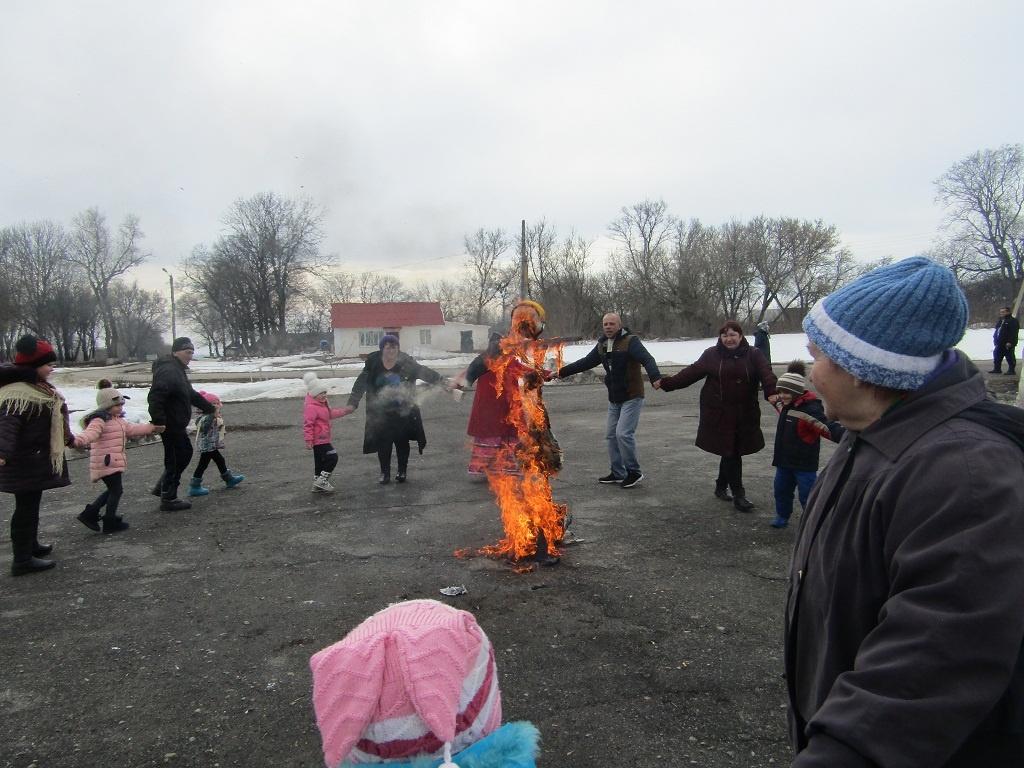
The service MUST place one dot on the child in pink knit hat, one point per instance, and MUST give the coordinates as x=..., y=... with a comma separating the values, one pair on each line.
x=415, y=685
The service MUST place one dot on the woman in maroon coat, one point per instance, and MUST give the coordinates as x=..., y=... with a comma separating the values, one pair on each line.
x=730, y=417
x=34, y=430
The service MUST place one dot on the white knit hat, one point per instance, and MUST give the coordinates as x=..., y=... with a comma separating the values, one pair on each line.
x=313, y=385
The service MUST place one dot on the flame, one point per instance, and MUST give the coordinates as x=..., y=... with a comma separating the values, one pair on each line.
x=519, y=476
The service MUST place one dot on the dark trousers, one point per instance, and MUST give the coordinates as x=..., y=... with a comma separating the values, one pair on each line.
x=401, y=451
x=730, y=474
x=25, y=524
x=177, y=455
x=1003, y=351
x=325, y=458
x=788, y=480
x=204, y=461
x=111, y=497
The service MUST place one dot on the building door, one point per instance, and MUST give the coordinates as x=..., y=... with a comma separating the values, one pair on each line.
x=466, y=341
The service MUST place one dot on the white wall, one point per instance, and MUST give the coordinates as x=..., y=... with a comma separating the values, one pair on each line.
x=443, y=338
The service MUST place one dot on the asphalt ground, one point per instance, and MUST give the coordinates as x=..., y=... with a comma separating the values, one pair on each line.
x=185, y=641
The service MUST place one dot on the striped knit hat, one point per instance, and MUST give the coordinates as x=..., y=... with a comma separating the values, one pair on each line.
x=891, y=326
x=417, y=679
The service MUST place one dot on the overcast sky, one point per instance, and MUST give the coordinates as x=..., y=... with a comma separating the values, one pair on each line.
x=415, y=123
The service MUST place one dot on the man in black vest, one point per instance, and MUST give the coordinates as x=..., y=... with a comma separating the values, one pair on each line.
x=1004, y=339
x=621, y=354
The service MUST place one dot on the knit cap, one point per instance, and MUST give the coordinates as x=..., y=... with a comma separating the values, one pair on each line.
x=182, y=342
x=313, y=385
x=792, y=382
x=388, y=338
x=107, y=396
x=891, y=326
x=416, y=679
x=33, y=352
x=209, y=397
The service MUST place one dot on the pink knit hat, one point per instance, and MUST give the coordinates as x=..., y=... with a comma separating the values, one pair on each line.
x=416, y=679
x=209, y=397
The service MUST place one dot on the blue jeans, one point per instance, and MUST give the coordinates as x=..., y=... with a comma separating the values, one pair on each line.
x=621, y=436
x=786, y=481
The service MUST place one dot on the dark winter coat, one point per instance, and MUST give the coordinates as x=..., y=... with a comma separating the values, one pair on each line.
x=763, y=343
x=25, y=442
x=798, y=436
x=621, y=365
x=1006, y=331
x=171, y=397
x=730, y=417
x=391, y=411
x=904, y=621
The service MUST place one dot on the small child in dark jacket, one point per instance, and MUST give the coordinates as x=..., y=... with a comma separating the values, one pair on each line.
x=802, y=424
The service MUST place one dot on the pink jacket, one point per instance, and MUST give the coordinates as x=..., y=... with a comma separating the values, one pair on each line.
x=107, y=440
x=316, y=421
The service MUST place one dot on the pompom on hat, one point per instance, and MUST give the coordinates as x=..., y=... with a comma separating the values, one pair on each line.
x=417, y=679
x=314, y=386
x=33, y=352
x=891, y=326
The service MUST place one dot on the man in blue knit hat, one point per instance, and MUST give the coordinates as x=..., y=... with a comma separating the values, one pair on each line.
x=905, y=613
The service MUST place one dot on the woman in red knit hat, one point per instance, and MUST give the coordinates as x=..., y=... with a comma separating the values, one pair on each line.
x=34, y=430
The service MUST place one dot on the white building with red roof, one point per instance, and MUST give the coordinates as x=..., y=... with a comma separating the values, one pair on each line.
x=419, y=325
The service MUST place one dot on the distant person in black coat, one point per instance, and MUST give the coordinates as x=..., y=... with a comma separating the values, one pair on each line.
x=1004, y=339
x=171, y=399
x=762, y=340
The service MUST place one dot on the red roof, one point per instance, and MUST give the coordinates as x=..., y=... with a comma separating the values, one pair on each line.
x=397, y=314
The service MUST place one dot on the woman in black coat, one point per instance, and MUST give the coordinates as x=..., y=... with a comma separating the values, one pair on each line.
x=730, y=418
x=34, y=430
x=392, y=416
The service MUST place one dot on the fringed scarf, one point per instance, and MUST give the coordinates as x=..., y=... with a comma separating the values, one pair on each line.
x=30, y=400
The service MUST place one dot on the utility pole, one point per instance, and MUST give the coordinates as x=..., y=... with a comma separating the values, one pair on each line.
x=174, y=326
x=524, y=266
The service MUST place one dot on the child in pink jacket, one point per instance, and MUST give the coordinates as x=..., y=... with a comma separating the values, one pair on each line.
x=107, y=432
x=316, y=430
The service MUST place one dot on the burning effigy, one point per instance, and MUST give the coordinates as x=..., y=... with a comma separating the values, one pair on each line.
x=513, y=445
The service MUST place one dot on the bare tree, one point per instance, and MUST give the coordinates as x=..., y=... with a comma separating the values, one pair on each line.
x=141, y=315
x=103, y=260
x=373, y=287
x=539, y=246
x=984, y=195
x=312, y=313
x=456, y=305
x=644, y=231
x=489, y=277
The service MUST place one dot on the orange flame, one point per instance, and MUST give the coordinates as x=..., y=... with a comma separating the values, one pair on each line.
x=519, y=475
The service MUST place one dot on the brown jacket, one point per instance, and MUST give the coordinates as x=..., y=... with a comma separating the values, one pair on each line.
x=905, y=613
x=730, y=417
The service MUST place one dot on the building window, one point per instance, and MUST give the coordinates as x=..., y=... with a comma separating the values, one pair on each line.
x=425, y=337
x=370, y=338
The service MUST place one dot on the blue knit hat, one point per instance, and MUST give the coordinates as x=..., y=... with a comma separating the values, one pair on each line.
x=388, y=338
x=891, y=326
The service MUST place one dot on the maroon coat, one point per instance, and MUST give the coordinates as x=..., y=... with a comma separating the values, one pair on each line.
x=730, y=417
x=25, y=447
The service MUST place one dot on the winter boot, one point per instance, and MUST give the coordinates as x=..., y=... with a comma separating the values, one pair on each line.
x=230, y=479
x=174, y=505
x=114, y=524
x=158, y=489
x=195, y=487
x=90, y=517
x=321, y=484
x=740, y=500
x=722, y=492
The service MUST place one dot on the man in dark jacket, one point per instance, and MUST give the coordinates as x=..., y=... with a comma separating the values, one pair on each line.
x=171, y=398
x=621, y=354
x=1004, y=339
x=904, y=628
x=763, y=341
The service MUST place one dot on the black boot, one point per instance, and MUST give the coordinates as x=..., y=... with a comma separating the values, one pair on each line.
x=90, y=517
x=174, y=505
x=400, y=477
x=740, y=500
x=32, y=565
x=722, y=492
x=42, y=550
x=114, y=524
x=385, y=477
